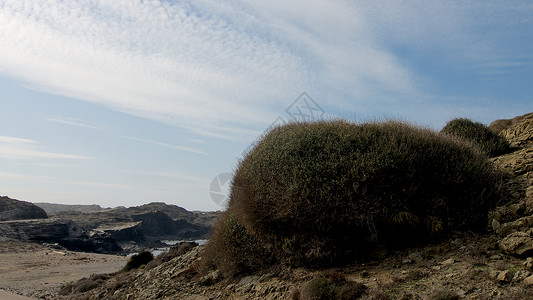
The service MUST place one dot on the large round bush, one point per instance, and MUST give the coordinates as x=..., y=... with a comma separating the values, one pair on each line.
x=479, y=134
x=320, y=193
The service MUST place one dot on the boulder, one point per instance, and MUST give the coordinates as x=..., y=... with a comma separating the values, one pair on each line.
x=529, y=280
x=517, y=163
x=517, y=243
x=520, y=224
x=528, y=264
x=505, y=276
x=502, y=124
x=520, y=134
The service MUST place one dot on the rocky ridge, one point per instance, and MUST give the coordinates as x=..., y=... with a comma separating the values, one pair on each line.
x=11, y=209
x=495, y=265
x=53, y=208
x=113, y=231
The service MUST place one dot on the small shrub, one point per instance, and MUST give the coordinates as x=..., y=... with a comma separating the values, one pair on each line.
x=174, y=251
x=181, y=248
x=138, y=260
x=480, y=135
x=232, y=249
x=99, y=277
x=66, y=289
x=295, y=294
x=152, y=264
x=417, y=274
x=85, y=286
x=337, y=278
x=122, y=279
x=317, y=289
x=349, y=290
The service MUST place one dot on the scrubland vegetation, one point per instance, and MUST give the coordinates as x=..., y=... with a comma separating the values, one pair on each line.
x=479, y=134
x=331, y=192
x=337, y=210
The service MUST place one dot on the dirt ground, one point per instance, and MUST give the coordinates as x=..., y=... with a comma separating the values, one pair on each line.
x=34, y=269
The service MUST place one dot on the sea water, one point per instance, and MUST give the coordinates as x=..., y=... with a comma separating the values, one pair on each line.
x=171, y=243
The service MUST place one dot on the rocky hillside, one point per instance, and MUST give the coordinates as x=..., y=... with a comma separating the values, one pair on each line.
x=114, y=231
x=53, y=208
x=495, y=265
x=11, y=209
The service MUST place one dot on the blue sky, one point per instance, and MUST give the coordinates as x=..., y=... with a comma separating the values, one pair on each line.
x=127, y=102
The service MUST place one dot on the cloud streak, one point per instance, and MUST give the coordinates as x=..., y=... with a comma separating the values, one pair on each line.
x=213, y=68
x=26, y=149
x=166, y=145
x=72, y=122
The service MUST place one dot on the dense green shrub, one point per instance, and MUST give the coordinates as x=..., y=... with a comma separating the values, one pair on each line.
x=327, y=192
x=479, y=134
x=138, y=260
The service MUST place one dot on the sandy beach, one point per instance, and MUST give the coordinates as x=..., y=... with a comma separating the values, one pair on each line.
x=35, y=270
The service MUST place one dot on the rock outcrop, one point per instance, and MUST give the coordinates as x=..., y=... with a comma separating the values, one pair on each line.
x=11, y=209
x=53, y=208
x=513, y=221
x=113, y=231
x=61, y=232
x=518, y=131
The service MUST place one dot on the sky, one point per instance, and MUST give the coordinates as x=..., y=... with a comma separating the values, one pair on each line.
x=124, y=102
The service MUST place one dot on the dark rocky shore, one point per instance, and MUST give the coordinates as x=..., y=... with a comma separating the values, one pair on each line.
x=111, y=231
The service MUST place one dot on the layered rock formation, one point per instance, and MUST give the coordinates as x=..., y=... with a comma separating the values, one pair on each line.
x=513, y=221
x=114, y=231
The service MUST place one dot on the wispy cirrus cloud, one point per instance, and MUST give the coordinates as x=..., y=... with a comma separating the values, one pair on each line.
x=72, y=122
x=166, y=145
x=26, y=149
x=217, y=69
x=227, y=69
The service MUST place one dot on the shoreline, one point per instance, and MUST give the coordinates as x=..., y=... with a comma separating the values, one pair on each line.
x=35, y=270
